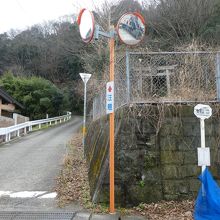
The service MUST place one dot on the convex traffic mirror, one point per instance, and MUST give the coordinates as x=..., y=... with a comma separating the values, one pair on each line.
x=86, y=25
x=131, y=28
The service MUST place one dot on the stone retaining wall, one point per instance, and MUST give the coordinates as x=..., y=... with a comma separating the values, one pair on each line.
x=155, y=153
x=6, y=122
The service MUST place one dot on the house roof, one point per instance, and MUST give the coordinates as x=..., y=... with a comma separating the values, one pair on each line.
x=10, y=99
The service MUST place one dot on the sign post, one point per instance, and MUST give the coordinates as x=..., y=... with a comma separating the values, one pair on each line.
x=203, y=112
x=110, y=110
x=112, y=128
x=85, y=78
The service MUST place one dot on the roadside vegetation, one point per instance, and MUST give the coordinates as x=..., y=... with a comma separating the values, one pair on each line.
x=39, y=96
x=55, y=51
x=72, y=183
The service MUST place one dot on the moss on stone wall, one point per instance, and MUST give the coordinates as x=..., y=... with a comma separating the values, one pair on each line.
x=155, y=153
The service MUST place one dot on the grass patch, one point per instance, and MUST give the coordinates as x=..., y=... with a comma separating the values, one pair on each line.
x=166, y=210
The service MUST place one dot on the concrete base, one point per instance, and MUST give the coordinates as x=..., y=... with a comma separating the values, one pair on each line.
x=82, y=216
x=105, y=217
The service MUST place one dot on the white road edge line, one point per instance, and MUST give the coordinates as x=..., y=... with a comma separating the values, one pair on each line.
x=29, y=194
x=5, y=193
x=49, y=196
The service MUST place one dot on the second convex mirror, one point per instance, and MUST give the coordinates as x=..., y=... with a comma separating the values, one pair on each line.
x=131, y=28
x=86, y=25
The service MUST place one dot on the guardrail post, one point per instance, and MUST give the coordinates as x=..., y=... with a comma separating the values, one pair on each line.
x=60, y=120
x=6, y=137
x=47, y=118
x=15, y=117
x=9, y=136
x=50, y=123
x=18, y=133
x=55, y=122
x=25, y=130
x=39, y=126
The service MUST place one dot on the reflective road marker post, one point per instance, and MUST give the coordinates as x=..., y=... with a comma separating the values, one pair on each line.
x=203, y=112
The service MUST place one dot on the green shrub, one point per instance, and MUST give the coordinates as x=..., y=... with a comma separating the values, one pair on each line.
x=39, y=96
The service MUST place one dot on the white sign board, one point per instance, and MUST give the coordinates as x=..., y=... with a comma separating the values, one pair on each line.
x=110, y=97
x=203, y=156
x=85, y=77
x=202, y=111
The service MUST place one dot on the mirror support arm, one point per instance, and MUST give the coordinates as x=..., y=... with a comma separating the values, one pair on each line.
x=111, y=34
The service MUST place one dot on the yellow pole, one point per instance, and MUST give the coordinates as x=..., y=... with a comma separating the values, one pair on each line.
x=112, y=139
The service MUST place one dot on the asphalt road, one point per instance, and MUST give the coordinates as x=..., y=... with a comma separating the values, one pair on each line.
x=30, y=165
x=28, y=169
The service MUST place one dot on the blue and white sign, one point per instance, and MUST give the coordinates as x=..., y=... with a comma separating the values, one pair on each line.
x=110, y=97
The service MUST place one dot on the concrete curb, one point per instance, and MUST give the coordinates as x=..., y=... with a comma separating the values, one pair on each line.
x=90, y=216
x=105, y=217
x=82, y=216
x=132, y=218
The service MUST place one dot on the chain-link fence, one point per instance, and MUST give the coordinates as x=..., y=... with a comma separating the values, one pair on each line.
x=163, y=77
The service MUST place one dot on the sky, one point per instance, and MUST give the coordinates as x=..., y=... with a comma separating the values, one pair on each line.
x=20, y=14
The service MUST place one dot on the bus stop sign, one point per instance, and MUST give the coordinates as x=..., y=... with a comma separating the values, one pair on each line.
x=202, y=111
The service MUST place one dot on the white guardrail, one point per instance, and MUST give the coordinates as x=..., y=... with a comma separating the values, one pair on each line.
x=28, y=126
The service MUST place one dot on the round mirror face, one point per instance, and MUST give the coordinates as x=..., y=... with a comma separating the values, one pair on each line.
x=86, y=25
x=131, y=28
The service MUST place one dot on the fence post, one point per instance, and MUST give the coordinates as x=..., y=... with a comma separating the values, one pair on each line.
x=15, y=117
x=218, y=75
x=128, y=75
x=47, y=116
x=6, y=135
